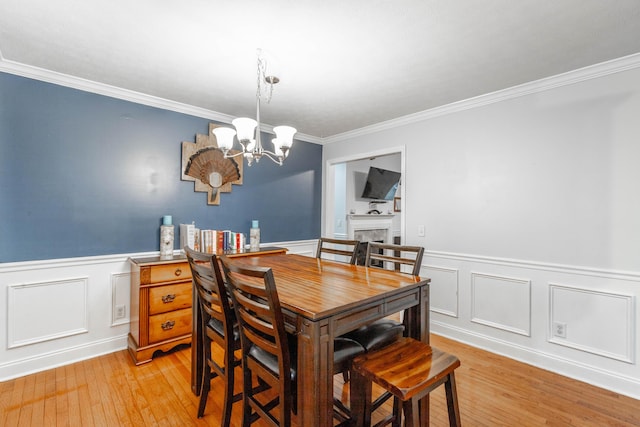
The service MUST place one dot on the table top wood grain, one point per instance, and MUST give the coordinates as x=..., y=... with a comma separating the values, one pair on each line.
x=318, y=288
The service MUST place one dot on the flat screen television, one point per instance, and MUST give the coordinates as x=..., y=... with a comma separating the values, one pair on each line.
x=381, y=184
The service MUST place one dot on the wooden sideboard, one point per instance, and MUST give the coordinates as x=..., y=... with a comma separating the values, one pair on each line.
x=161, y=303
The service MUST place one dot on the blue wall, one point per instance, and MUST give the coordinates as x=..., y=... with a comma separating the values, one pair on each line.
x=83, y=174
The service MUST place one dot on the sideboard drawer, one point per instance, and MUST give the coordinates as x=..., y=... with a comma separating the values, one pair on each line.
x=165, y=273
x=169, y=297
x=169, y=325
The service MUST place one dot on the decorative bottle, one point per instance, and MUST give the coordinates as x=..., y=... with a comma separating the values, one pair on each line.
x=166, y=238
x=254, y=236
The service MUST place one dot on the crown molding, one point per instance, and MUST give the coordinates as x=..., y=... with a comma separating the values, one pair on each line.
x=590, y=72
x=85, y=85
x=571, y=77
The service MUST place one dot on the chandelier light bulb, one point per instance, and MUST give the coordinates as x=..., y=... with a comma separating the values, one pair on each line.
x=224, y=137
x=284, y=134
x=245, y=128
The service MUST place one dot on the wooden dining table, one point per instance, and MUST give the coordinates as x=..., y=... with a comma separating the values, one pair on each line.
x=323, y=299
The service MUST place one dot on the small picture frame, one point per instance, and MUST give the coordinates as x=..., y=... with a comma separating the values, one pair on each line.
x=396, y=204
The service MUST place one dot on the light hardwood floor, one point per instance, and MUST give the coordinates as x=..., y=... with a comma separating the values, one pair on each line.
x=111, y=391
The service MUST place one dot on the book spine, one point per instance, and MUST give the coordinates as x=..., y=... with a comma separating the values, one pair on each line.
x=197, y=244
x=211, y=240
x=205, y=241
x=187, y=235
x=220, y=241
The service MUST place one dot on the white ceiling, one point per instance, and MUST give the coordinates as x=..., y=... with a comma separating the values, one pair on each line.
x=344, y=65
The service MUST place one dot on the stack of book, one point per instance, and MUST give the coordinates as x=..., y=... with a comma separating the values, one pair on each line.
x=211, y=241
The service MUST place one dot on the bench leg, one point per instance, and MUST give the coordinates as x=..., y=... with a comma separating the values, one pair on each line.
x=360, y=400
x=411, y=412
x=397, y=412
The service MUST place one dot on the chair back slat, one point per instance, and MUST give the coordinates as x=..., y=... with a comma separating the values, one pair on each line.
x=340, y=247
x=207, y=291
x=213, y=298
x=397, y=254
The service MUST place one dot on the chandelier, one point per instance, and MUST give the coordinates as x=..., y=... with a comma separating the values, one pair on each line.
x=247, y=130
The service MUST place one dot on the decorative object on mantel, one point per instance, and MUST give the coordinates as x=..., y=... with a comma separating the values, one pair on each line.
x=248, y=130
x=204, y=163
x=396, y=204
x=373, y=207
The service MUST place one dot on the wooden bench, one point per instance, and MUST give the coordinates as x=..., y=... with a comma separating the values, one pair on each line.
x=408, y=369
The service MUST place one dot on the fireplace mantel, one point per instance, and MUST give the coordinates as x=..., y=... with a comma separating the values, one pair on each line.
x=368, y=217
x=370, y=222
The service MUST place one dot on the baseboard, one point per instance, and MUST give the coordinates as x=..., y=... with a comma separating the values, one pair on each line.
x=61, y=357
x=590, y=374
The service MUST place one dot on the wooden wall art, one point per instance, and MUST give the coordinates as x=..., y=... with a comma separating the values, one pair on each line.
x=204, y=163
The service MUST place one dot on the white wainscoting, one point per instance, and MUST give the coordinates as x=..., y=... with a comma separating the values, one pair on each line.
x=598, y=322
x=31, y=306
x=64, y=310
x=443, y=289
x=120, y=297
x=510, y=306
x=501, y=302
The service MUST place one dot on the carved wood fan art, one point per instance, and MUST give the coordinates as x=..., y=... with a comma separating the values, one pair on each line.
x=204, y=163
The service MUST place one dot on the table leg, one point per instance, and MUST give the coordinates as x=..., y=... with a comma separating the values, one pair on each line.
x=423, y=321
x=315, y=374
x=418, y=328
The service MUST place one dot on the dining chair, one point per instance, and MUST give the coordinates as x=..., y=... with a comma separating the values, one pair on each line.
x=409, y=370
x=386, y=331
x=344, y=348
x=218, y=326
x=341, y=247
x=267, y=351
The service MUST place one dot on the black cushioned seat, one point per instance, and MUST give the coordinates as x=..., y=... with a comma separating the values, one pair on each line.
x=377, y=335
x=344, y=350
x=270, y=362
x=217, y=326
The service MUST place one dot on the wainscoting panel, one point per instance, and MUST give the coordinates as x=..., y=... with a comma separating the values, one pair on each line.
x=301, y=247
x=120, y=298
x=443, y=289
x=501, y=302
x=598, y=322
x=578, y=321
x=45, y=311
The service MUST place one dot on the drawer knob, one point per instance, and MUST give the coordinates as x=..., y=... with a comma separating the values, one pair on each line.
x=169, y=324
x=178, y=272
x=168, y=298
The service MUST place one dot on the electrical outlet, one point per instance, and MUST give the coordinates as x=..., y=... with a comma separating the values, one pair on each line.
x=121, y=312
x=559, y=329
x=421, y=231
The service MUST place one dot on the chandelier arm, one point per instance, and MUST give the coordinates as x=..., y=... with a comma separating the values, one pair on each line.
x=273, y=156
x=230, y=156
